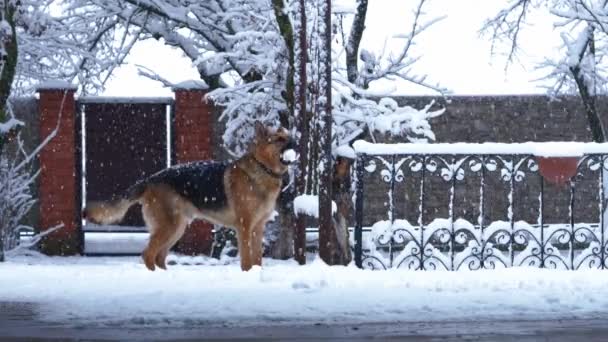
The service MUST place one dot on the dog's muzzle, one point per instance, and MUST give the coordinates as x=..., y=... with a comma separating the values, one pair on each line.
x=289, y=154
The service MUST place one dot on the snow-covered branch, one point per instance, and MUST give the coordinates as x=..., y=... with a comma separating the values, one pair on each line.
x=239, y=47
x=357, y=109
x=33, y=240
x=399, y=65
x=582, y=66
x=151, y=74
x=10, y=125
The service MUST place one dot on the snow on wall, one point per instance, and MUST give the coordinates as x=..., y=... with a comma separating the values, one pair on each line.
x=191, y=84
x=541, y=149
x=56, y=85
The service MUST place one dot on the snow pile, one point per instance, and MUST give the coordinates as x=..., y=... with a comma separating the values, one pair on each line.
x=121, y=291
x=345, y=151
x=309, y=205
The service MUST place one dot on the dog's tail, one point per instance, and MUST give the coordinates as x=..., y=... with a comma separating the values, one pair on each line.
x=107, y=212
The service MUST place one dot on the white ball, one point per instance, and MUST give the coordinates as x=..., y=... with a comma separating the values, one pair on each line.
x=289, y=155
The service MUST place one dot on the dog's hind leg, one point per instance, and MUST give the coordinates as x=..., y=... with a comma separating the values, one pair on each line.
x=164, y=251
x=154, y=247
x=160, y=214
x=161, y=257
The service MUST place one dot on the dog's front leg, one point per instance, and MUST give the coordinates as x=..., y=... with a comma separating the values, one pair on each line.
x=257, y=238
x=244, y=242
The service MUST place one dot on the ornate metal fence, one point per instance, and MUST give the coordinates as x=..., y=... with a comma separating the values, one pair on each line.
x=458, y=207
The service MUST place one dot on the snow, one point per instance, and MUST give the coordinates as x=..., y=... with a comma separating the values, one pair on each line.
x=115, y=243
x=191, y=84
x=309, y=205
x=345, y=151
x=55, y=85
x=106, y=291
x=540, y=149
x=125, y=99
x=344, y=7
x=289, y=155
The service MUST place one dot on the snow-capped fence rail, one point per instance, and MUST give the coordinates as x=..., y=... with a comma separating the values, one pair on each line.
x=499, y=211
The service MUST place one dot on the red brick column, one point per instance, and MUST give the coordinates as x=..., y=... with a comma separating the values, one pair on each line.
x=192, y=131
x=59, y=192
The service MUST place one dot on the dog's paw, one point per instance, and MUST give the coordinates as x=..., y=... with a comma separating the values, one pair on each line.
x=148, y=260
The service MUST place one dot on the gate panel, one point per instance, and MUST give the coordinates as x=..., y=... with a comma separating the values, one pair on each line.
x=124, y=142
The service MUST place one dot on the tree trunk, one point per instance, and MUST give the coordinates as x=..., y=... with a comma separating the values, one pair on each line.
x=6, y=81
x=303, y=124
x=282, y=248
x=354, y=40
x=342, y=197
x=286, y=30
x=326, y=227
x=10, y=65
x=1, y=244
x=593, y=118
x=588, y=95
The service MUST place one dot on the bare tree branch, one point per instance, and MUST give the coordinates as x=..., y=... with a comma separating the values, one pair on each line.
x=507, y=26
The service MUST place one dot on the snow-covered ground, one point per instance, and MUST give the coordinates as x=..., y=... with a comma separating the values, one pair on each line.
x=119, y=290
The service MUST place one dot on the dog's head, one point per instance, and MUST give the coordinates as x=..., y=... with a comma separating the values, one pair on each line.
x=274, y=148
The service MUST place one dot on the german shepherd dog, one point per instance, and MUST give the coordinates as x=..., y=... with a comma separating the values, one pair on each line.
x=239, y=194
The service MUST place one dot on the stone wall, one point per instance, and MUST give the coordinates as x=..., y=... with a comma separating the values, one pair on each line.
x=508, y=119
x=516, y=118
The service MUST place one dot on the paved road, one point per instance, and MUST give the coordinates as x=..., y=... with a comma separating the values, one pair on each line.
x=18, y=323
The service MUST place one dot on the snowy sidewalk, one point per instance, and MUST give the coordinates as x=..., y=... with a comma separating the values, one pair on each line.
x=121, y=292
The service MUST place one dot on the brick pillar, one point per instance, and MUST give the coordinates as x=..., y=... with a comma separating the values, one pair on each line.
x=59, y=192
x=192, y=131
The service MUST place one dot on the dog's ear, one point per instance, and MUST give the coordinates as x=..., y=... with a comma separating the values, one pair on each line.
x=260, y=130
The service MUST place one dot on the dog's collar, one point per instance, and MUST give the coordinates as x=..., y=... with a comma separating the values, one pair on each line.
x=267, y=169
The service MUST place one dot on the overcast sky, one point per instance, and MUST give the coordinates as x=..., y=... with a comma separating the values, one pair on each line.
x=452, y=51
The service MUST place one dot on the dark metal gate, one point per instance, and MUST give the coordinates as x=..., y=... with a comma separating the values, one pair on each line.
x=123, y=141
x=454, y=207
